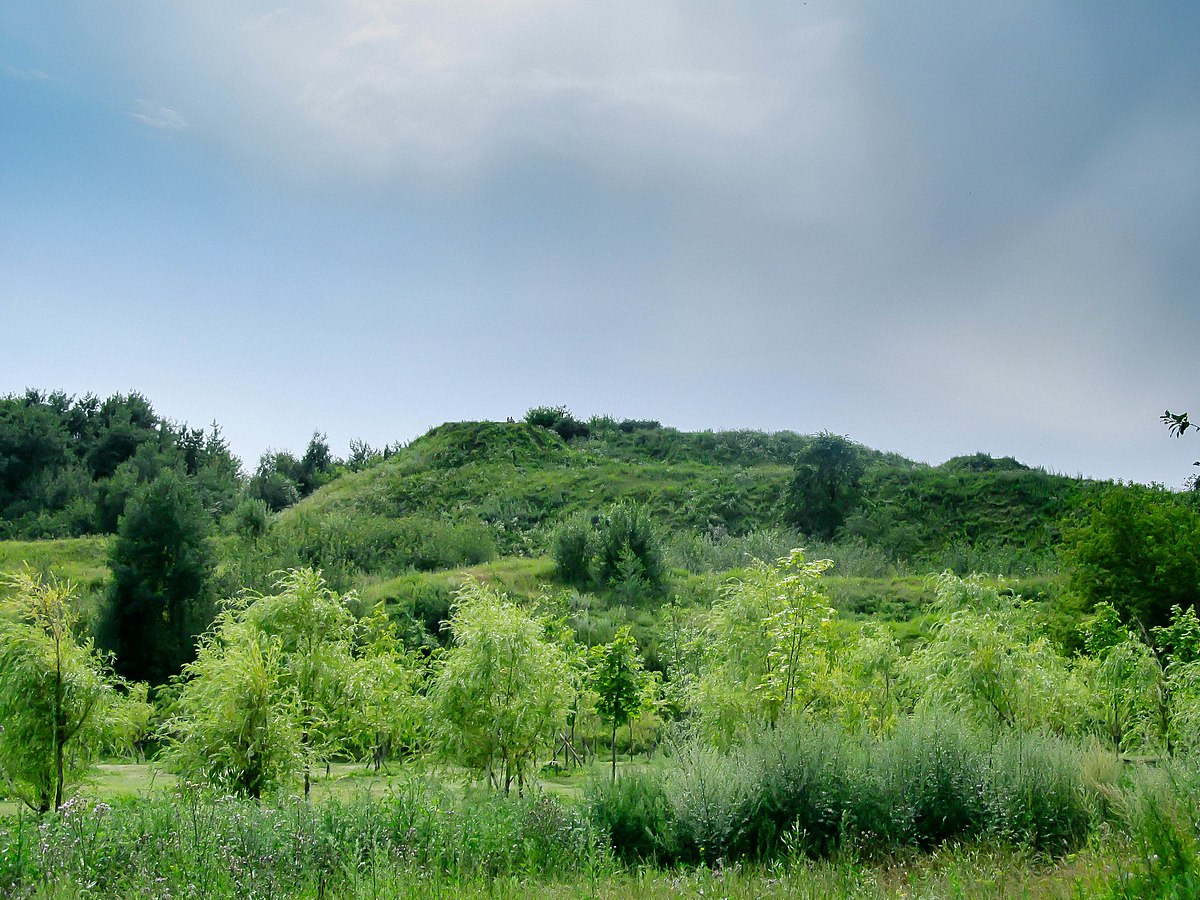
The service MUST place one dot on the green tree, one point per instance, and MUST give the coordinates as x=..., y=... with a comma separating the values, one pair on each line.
x=1135, y=548
x=161, y=594
x=767, y=648
x=1125, y=678
x=267, y=689
x=989, y=658
x=618, y=678
x=234, y=721
x=314, y=628
x=628, y=550
x=59, y=701
x=825, y=487
x=572, y=548
x=503, y=689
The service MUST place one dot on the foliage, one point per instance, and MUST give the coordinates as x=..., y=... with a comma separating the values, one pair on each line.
x=628, y=554
x=263, y=696
x=825, y=487
x=559, y=420
x=60, y=704
x=1178, y=425
x=1135, y=549
x=233, y=724
x=383, y=707
x=618, y=679
x=68, y=465
x=503, y=689
x=767, y=641
x=989, y=659
x=161, y=595
x=572, y=548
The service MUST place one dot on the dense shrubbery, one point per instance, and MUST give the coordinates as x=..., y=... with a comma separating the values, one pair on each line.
x=815, y=788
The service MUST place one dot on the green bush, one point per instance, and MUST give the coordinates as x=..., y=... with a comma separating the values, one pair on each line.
x=636, y=815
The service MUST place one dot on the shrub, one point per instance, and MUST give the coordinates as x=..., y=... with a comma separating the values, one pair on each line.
x=635, y=813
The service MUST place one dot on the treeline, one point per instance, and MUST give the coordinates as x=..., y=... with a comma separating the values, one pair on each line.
x=69, y=465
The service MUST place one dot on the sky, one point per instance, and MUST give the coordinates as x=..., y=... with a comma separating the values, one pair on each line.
x=936, y=228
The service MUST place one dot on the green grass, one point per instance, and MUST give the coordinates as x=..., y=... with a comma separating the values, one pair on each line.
x=82, y=560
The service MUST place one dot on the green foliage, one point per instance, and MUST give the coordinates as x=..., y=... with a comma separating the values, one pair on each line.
x=264, y=694
x=68, y=465
x=766, y=648
x=628, y=550
x=1160, y=811
x=503, y=688
x=1135, y=548
x=825, y=487
x=989, y=659
x=233, y=724
x=559, y=420
x=161, y=595
x=572, y=548
x=59, y=702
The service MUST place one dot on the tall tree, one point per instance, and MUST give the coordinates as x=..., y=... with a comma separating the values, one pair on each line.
x=161, y=596
x=59, y=701
x=825, y=486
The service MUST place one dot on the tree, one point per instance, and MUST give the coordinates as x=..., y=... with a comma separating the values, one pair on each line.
x=618, y=678
x=161, y=595
x=1135, y=548
x=825, y=486
x=1178, y=425
x=989, y=658
x=767, y=643
x=628, y=550
x=233, y=722
x=59, y=701
x=314, y=629
x=503, y=689
x=265, y=692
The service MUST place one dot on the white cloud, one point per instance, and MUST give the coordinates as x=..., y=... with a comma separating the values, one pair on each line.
x=157, y=116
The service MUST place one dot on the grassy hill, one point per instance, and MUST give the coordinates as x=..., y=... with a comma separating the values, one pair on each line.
x=494, y=488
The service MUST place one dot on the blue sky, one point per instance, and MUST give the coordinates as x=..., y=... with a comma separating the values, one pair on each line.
x=935, y=228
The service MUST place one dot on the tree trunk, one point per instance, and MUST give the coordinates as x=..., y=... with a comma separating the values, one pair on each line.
x=614, y=750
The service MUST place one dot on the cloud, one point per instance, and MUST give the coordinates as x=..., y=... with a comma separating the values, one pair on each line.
x=158, y=117
x=29, y=74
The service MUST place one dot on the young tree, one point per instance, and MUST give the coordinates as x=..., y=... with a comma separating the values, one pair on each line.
x=234, y=722
x=767, y=648
x=628, y=550
x=260, y=699
x=59, y=701
x=503, y=689
x=161, y=595
x=990, y=659
x=618, y=678
x=384, y=708
x=315, y=629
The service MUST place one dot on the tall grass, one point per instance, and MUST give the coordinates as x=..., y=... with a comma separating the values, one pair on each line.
x=191, y=846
